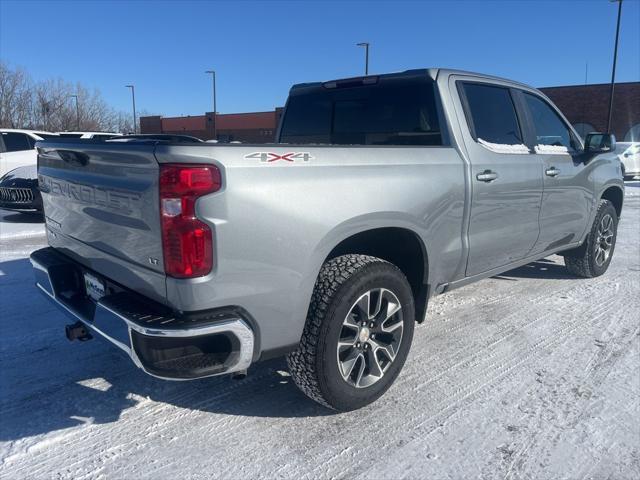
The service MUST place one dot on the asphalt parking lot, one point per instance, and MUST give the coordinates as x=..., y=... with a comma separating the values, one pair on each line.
x=532, y=374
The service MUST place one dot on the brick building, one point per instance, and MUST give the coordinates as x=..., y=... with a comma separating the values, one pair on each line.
x=586, y=107
x=254, y=127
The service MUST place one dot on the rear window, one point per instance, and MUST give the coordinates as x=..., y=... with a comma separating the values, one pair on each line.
x=388, y=113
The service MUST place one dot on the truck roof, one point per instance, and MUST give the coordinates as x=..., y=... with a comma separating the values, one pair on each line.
x=432, y=73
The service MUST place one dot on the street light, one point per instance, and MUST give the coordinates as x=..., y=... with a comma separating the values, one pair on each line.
x=77, y=112
x=133, y=100
x=215, y=111
x=366, y=56
x=613, y=69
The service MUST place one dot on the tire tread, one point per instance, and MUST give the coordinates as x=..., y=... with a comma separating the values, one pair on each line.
x=303, y=361
x=578, y=262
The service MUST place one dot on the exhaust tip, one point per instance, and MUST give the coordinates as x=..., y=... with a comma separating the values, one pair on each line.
x=77, y=331
x=239, y=375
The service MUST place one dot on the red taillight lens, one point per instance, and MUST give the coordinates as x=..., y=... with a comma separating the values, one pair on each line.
x=187, y=242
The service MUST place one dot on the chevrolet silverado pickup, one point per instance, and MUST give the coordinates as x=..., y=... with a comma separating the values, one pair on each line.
x=382, y=191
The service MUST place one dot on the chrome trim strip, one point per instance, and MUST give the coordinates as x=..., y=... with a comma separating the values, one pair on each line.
x=236, y=326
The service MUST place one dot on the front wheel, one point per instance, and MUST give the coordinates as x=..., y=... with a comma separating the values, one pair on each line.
x=594, y=256
x=357, y=334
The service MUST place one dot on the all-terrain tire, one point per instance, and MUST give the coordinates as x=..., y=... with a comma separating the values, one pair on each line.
x=584, y=261
x=314, y=365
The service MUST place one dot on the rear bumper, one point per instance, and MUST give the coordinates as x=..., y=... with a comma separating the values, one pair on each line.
x=163, y=344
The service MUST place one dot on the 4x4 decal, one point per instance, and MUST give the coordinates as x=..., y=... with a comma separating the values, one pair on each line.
x=269, y=157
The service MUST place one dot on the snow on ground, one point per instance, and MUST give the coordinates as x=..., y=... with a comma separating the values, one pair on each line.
x=532, y=374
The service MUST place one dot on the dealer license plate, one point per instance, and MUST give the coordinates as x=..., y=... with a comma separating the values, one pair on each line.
x=94, y=287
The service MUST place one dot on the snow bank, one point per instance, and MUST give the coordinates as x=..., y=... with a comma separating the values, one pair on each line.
x=553, y=149
x=504, y=148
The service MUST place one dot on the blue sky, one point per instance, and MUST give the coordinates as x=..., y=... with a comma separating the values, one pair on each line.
x=260, y=48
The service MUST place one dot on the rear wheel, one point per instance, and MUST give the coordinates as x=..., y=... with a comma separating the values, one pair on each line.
x=594, y=256
x=357, y=335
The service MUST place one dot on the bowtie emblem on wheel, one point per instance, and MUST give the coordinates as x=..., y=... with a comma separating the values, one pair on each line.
x=270, y=157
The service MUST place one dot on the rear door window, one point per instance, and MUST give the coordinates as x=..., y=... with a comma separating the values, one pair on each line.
x=491, y=114
x=16, y=142
x=388, y=113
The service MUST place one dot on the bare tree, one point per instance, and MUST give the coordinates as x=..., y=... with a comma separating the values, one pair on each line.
x=51, y=105
x=15, y=97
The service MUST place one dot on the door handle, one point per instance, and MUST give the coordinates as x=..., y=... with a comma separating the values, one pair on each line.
x=487, y=176
x=552, y=172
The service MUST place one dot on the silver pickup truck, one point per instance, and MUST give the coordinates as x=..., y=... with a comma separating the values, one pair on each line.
x=199, y=260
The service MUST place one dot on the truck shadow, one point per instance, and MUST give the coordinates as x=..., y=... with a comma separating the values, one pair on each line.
x=103, y=397
x=48, y=384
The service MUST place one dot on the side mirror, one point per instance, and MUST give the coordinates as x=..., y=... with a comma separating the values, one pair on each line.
x=599, y=143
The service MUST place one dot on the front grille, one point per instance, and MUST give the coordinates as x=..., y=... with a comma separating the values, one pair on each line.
x=16, y=195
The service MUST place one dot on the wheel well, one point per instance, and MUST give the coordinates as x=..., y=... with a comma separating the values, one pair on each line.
x=615, y=196
x=399, y=246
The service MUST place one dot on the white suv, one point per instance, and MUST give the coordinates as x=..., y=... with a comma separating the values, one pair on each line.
x=17, y=148
x=629, y=155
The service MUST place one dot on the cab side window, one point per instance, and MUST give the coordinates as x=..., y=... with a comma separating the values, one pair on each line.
x=16, y=142
x=549, y=127
x=491, y=114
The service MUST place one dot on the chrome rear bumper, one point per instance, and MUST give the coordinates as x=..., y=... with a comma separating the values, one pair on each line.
x=162, y=344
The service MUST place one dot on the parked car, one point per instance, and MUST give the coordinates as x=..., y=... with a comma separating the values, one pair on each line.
x=19, y=190
x=17, y=148
x=384, y=190
x=18, y=173
x=629, y=155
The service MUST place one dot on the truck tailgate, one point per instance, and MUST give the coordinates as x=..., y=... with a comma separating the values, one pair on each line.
x=102, y=208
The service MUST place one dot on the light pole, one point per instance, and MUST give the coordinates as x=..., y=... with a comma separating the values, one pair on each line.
x=133, y=100
x=77, y=112
x=613, y=69
x=366, y=56
x=215, y=111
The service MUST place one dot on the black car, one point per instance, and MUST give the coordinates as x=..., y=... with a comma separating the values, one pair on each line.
x=19, y=190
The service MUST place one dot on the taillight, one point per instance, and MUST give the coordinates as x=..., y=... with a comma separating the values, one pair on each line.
x=187, y=242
